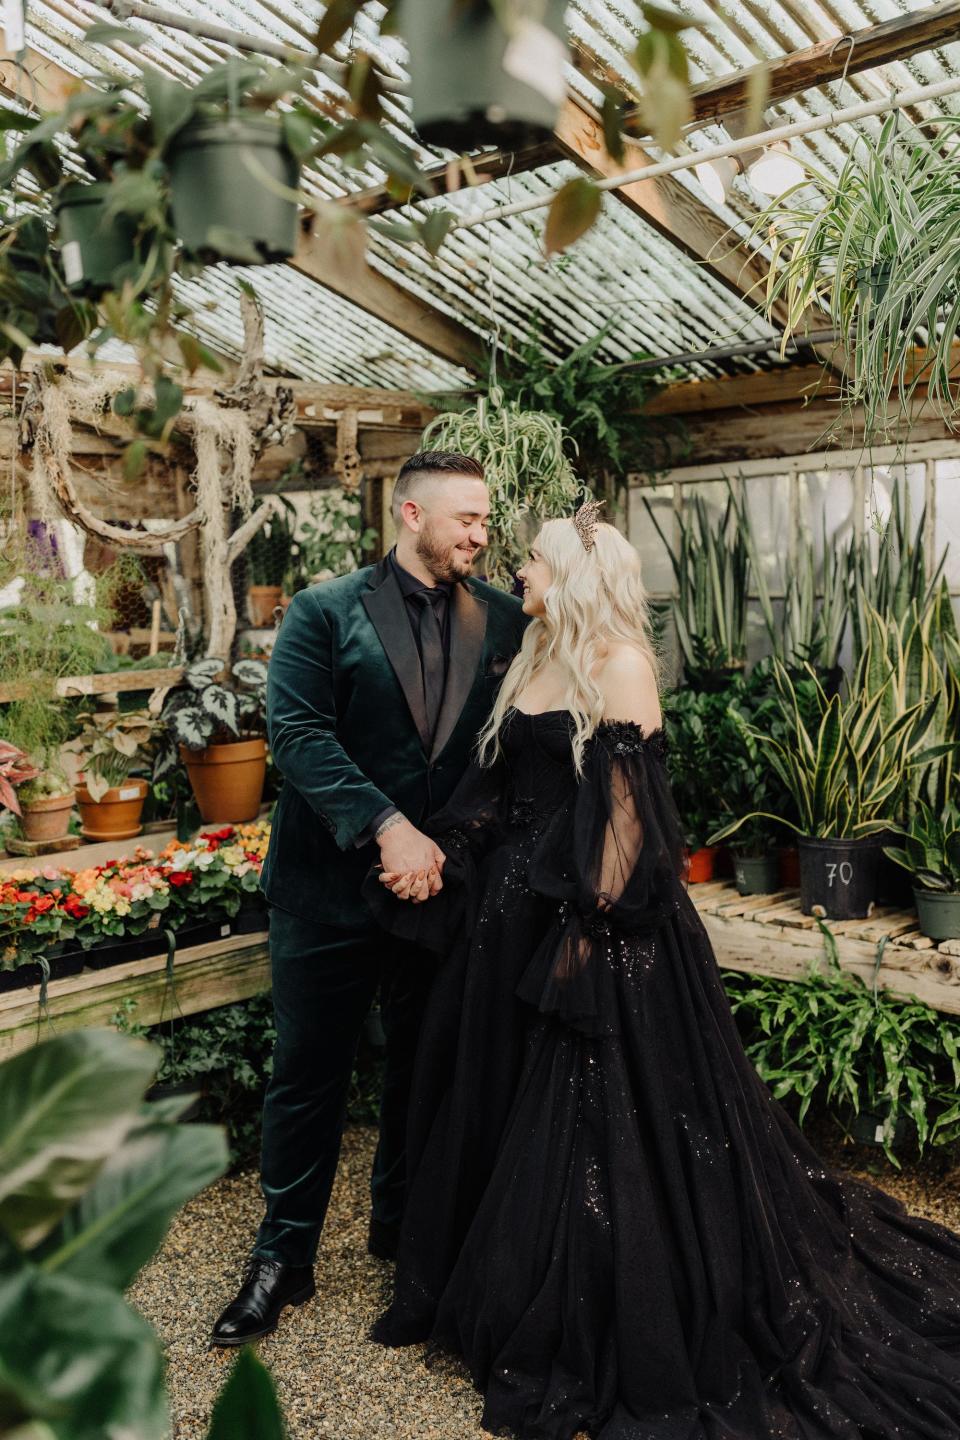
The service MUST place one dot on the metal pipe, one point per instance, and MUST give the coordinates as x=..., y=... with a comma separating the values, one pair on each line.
x=729, y=352
x=897, y=100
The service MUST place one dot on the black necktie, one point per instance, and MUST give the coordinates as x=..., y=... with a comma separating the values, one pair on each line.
x=431, y=655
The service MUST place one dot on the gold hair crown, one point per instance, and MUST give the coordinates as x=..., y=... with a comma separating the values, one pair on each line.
x=585, y=522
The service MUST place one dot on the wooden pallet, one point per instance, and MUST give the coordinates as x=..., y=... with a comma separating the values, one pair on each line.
x=770, y=935
x=218, y=973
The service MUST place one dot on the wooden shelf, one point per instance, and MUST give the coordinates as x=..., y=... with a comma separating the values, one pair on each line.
x=205, y=976
x=117, y=683
x=770, y=935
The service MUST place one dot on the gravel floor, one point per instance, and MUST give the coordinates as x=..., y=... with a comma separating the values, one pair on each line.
x=333, y=1383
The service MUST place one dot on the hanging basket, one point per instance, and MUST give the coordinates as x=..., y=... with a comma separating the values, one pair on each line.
x=92, y=247
x=474, y=83
x=227, y=184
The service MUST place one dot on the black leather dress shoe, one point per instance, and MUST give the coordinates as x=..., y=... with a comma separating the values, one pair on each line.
x=383, y=1240
x=268, y=1286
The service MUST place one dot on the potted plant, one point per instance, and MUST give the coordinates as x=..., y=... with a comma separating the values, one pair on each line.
x=268, y=562
x=15, y=770
x=693, y=720
x=876, y=248
x=843, y=779
x=880, y=1062
x=483, y=74
x=526, y=469
x=220, y=731
x=110, y=745
x=931, y=856
x=46, y=804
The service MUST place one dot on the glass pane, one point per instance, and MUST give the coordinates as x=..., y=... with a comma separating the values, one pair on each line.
x=768, y=506
x=946, y=480
x=657, y=570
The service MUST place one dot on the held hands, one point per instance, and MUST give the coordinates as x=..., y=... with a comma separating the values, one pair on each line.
x=412, y=863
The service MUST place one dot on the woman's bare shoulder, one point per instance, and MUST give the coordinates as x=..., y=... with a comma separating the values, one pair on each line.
x=628, y=684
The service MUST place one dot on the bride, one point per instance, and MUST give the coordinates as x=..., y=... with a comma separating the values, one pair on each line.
x=608, y=1216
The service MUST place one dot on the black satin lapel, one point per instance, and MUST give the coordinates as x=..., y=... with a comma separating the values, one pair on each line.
x=468, y=626
x=388, y=615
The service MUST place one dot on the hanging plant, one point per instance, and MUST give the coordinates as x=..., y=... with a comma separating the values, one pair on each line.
x=526, y=468
x=877, y=248
x=485, y=72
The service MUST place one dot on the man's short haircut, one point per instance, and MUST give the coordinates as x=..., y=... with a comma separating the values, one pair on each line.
x=429, y=465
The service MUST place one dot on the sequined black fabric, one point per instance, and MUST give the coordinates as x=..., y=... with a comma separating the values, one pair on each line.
x=609, y=1216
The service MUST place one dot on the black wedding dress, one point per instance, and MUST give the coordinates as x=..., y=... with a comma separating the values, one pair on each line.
x=609, y=1216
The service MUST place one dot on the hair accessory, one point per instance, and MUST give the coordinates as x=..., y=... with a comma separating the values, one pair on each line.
x=585, y=522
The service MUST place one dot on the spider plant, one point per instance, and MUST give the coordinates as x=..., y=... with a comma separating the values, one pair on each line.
x=876, y=248
x=525, y=465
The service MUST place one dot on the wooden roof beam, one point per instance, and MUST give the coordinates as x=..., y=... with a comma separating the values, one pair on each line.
x=881, y=44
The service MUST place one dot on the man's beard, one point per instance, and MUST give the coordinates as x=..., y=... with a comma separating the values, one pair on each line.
x=437, y=557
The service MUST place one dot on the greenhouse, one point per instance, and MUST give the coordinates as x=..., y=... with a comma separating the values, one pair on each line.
x=479, y=705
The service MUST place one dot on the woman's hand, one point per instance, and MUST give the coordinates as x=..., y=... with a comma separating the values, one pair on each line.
x=415, y=885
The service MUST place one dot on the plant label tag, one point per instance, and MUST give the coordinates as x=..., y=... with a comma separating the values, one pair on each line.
x=13, y=29
x=224, y=931
x=878, y=1134
x=72, y=262
x=536, y=57
x=130, y=792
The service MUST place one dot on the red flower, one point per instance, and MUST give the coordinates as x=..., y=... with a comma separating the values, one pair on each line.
x=26, y=897
x=75, y=908
x=42, y=904
x=225, y=834
x=180, y=877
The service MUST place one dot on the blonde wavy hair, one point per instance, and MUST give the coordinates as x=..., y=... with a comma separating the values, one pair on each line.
x=595, y=596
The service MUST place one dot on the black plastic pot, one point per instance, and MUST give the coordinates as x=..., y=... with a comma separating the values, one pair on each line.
x=874, y=280
x=203, y=932
x=894, y=884
x=839, y=876
x=126, y=947
x=938, y=912
x=226, y=184
x=31, y=972
x=251, y=918
x=92, y=247
x=177, y=1091
x=471, y=83
x=756, y=874
x=867, y=1129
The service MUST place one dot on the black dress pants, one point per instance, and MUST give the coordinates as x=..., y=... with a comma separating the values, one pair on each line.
x=324, y=980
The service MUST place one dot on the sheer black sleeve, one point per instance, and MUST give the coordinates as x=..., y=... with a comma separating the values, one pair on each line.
x=615, y=863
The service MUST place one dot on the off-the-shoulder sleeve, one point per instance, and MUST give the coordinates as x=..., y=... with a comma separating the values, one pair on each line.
x=467, y=828
x=614, y=861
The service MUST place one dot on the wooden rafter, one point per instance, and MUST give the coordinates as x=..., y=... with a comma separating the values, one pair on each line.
x=895, y=39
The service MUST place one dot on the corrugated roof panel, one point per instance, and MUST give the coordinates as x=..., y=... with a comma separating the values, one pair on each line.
x=495, y=279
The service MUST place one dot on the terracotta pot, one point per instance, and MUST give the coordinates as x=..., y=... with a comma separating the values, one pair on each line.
x=261, y=602
x=789, y=857
x=47, y=819
x=227, y=780
x=117, y=815
x=700, y=865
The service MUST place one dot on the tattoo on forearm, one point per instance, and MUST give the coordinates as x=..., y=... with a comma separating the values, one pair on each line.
x=388, y=824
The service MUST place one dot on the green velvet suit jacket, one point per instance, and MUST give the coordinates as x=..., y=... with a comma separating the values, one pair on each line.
x=348, y=728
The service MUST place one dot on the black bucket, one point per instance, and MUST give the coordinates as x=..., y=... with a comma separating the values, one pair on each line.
x=839, y=877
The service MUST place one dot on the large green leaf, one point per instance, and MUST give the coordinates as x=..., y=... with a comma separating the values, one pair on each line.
x=73, y=1354
x=120, y=1222
x=247, y=1406
x=65, y=1106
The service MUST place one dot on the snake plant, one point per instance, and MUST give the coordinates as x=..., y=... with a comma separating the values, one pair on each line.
x=712, y=569
x=844, y=772
x=931, y=848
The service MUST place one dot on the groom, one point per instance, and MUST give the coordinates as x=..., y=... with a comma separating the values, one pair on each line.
x=378, y=684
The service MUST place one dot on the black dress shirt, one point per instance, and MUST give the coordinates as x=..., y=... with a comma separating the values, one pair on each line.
x=439, y=595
